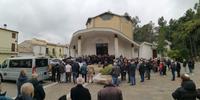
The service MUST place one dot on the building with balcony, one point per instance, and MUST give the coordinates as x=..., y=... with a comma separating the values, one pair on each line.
x=8, y=43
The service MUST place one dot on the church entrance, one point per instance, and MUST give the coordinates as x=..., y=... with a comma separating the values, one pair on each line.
x=102, y=49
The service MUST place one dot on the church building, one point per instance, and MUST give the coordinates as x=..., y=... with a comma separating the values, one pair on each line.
x=106, y=34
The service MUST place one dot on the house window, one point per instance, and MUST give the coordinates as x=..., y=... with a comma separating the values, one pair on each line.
x=13, y=47
x=47, y=50
x=13, y=35
x=54, y=52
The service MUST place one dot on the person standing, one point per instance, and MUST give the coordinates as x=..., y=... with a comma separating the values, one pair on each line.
x=173, y=70
x=193, y=64
x=184, y=65
x=21, y=80
x=115, y=74
x=142, y=71
x=164, y=68
x=53, y=71
x=39, y=93
x=187, y=91
x=161, y=67
x=132, y=70
x=79, y=92
x=68, y=69
x=127, y=67
x=123, y=69
x=83, y=71
x=178, y=68
x=168, y=62
x=123, y=72
x=62, y=72
x=75, y=70
x=58, y=69
x=110, y=92
x=148, y=69
x=190, y=66
x=91, y=73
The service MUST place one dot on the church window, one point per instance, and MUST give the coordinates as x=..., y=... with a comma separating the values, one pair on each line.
x=106, y=16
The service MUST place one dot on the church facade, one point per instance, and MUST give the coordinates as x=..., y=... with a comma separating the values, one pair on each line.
x=106, y=34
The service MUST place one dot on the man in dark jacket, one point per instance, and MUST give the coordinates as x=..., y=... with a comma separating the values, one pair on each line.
x=115, y=74
x=79, y=92
x=187, y=91
x=53, y=71
x=132, y=70
x=39, y=93
x=190, y=66
x=75, y=70
x=148, y=69
x=110, y=92
x=142, y=71
x=178, y=68
x=173, y=70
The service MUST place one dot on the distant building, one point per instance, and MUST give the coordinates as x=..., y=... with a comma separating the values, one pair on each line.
x=106, y=34
x=57, y=50
x=33, y=47
x=8, y=43
x=147, y=50
x=37, y=47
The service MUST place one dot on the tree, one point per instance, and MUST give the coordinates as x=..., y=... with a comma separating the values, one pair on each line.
x=161, y=37
x=186, y=32
x=144, y=33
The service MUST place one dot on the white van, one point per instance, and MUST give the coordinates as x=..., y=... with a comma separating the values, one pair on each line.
x=10, y=68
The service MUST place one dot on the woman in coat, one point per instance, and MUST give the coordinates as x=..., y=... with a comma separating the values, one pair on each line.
x=21, y=80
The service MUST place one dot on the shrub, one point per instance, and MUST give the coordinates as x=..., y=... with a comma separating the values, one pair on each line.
x=107, y=70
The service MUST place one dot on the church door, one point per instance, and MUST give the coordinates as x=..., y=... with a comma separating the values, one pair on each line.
x=102, y=48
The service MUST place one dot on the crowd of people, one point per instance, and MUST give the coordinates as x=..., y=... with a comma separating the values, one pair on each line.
x=64, y=70
x=126, y=68
x=80, y=70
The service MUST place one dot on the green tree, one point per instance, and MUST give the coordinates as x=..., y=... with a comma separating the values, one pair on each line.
x=144, y=33
x=161, y=37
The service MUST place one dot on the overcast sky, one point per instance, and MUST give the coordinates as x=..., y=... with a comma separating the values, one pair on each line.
x=57, y=20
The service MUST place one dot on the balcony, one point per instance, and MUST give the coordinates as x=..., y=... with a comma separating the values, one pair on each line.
x=6, y=50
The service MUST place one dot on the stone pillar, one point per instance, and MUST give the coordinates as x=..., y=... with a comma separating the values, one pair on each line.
x=116, y=46
x=132, y=50
x=79, y=46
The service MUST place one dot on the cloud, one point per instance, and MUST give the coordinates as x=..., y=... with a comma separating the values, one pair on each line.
x=57, y=20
